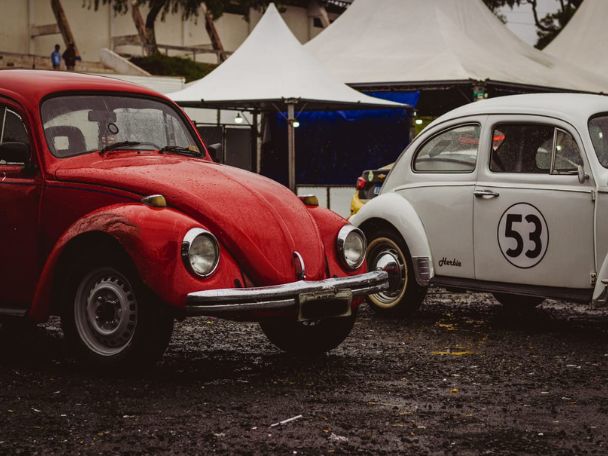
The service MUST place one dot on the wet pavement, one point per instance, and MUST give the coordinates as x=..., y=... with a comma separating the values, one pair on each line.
x=461, y=377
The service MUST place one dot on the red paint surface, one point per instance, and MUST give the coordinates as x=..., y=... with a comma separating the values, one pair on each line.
x=258, y=222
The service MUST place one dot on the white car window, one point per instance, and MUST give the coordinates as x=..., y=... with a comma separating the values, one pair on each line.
x=598, y=129
x=12, y=129
x=533, y=149
x=451, y=151
x=567, y=154
x=521, y=149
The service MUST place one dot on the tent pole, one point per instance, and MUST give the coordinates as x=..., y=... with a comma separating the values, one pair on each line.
x=254, y=142
x=260, y=140
x=291, y=141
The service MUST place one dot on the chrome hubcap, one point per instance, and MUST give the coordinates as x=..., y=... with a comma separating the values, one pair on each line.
x=385, y=255
x=105, y=312
x=388, y=262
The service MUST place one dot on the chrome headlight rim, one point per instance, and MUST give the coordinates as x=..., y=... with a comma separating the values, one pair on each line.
x=343, y=234
x=189, y=238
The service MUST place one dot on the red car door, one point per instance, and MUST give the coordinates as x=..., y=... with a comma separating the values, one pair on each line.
x=20, y=189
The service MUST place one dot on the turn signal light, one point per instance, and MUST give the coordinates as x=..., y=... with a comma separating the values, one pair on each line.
x=154, y=201
x=361, y=183
x=309, y=200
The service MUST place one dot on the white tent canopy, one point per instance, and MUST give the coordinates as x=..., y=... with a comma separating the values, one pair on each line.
x=271, y=70
x=584, y=41
x=421, y=42
x=270, y=67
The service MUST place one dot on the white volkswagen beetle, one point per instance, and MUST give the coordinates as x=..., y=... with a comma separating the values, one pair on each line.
x=507, y=195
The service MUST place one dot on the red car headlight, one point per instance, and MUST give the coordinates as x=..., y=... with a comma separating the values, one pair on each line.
x=200, y=252
x=351, y=245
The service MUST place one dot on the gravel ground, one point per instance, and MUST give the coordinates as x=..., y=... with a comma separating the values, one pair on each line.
x=461, y=377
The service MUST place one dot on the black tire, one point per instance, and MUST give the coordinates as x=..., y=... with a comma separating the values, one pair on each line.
x=138, y=333
x=518, y=302
x=408, y=298
x=309, y=339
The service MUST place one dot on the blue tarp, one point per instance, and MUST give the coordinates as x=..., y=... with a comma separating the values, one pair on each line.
x=333, y=148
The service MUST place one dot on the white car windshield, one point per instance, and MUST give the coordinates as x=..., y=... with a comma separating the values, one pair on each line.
x=598, y=130
x=79, y=124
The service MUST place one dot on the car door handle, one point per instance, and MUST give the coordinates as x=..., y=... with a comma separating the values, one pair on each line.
x=485, y=193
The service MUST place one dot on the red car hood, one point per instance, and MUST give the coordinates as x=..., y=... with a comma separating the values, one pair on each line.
x=260, y=222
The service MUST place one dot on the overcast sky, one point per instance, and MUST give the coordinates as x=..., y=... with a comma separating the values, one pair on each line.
x=521, y=21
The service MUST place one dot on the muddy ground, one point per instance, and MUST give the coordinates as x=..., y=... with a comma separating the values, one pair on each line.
x=462, y=377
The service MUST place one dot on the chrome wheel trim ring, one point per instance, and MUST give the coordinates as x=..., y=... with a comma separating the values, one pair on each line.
x=105, y=312
x=378, y=248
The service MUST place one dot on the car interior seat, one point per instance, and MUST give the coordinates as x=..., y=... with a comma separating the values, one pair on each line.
x=66, y=140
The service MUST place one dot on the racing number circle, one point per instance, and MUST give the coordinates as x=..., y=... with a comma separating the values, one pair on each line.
x=523, y=235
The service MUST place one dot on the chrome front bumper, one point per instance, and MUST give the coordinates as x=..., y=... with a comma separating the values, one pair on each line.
x=320, y=299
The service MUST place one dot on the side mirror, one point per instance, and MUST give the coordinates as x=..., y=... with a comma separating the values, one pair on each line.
x=216, y=151
x=15, y=152
x=582, y=176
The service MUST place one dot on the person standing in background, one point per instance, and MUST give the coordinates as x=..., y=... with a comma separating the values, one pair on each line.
x=70, y=57
x=56, y=58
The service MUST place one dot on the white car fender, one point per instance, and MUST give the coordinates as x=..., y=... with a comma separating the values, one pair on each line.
x=391, y=208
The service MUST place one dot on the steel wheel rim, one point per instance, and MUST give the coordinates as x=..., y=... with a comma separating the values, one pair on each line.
x=105, y=312
x=377, y=248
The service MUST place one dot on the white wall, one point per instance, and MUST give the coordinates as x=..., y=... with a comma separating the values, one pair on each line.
x=94, y=30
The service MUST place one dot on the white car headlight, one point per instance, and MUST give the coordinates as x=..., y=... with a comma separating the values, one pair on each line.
x=351, y=246
x=200, y=252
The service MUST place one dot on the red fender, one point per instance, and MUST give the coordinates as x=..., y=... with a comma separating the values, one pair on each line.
x=152, y=238
x=329, y=224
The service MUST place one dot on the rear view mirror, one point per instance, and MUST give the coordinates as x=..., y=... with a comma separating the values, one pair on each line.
x=101, y=116
x=215, y=150
x=14, y=152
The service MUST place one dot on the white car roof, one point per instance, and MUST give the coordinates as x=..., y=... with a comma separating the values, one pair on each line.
x=571, y=107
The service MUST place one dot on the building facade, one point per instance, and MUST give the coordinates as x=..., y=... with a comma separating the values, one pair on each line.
x=22, y=22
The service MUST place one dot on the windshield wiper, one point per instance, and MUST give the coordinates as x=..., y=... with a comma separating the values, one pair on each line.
x=180, y=150
x=119, y=145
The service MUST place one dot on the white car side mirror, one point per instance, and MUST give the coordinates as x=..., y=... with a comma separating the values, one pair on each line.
x=582, y=175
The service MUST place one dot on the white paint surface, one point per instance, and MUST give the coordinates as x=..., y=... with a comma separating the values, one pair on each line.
x=410, y=41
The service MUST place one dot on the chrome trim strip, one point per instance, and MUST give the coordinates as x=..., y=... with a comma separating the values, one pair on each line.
x=214, y=302
x=538, y=187
x=211, y=310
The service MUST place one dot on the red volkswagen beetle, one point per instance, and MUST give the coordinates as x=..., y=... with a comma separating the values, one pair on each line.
x=115, y=218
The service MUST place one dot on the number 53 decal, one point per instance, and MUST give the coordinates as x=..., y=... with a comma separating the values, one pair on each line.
x=523, y=235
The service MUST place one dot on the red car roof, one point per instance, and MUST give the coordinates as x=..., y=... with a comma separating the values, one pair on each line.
x=33, y=85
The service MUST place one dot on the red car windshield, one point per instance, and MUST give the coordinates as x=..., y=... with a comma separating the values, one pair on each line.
x=78, y=124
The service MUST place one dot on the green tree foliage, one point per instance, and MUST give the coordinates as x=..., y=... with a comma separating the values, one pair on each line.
x=188, y=8
x=191, y=8
x=164, y=65
x=548, y=26
x=160, y=8
x=158, y=64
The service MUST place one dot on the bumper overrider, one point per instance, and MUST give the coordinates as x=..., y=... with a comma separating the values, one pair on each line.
x=309, y=300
